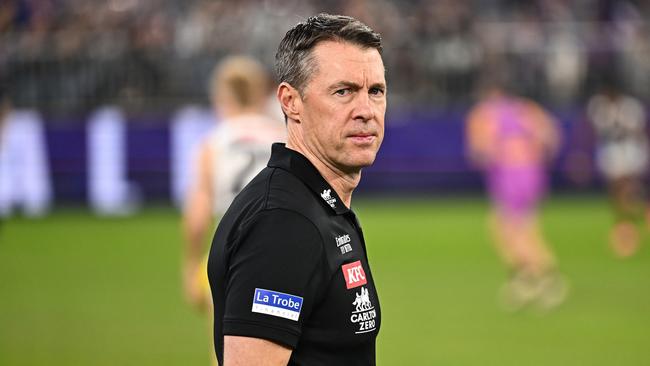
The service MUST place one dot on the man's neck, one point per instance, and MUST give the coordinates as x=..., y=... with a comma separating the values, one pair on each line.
x=343, y=183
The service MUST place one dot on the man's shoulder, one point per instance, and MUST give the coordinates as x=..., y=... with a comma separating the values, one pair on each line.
x=272, y=189
x=276, y=202
x=286, y=190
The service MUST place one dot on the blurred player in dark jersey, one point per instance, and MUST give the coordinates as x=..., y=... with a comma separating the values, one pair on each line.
x=619, y=123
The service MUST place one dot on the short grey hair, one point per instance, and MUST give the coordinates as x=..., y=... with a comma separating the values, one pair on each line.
x=294, y=61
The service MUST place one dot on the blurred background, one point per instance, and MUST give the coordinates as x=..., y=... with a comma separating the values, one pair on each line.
x=103, y=103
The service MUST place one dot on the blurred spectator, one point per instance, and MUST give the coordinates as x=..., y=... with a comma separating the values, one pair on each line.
x=619, y=121
x=565, y=63
x=70, y=56
x=512, y=139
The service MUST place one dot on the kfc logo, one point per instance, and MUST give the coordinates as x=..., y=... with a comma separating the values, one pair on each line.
x=354, y=274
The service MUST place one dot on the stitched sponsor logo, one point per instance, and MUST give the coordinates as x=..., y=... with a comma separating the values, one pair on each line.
x=276, y=303
x=354, y=274
x=364, y=314
x=343, y=243
x=327, y=196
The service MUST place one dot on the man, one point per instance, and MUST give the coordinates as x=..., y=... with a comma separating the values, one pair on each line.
x=231, y=155
x=512, y=139
x=619, y=121
x=290, y=278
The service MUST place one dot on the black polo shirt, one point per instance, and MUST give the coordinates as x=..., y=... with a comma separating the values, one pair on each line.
x=288, y=263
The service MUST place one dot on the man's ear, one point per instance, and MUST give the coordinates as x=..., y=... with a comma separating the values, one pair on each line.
x=290, y=101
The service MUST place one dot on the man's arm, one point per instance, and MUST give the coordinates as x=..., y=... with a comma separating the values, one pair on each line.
x=261, y=264
x=197, y=218
x=478, y=137
x=244, y=351
x=548, y=130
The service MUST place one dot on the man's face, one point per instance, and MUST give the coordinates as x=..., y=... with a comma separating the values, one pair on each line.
x=343, y=106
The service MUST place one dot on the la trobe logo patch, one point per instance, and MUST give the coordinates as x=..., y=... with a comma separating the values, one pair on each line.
x=276, y=303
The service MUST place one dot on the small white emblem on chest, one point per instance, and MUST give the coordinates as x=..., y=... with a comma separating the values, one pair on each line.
x=343, y=243
x=327, y=196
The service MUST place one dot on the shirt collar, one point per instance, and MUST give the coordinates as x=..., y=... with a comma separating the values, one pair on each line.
x=297, y=164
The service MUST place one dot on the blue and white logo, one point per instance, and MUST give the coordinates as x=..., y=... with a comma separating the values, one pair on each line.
x=277, y=304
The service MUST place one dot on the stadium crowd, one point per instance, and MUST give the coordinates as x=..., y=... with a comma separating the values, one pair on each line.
x=70, y=56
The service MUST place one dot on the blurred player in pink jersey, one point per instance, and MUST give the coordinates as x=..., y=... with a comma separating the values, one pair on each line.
x=229, y=157
x=512, y=139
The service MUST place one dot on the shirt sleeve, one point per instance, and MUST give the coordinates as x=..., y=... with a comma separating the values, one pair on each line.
x=274, y=276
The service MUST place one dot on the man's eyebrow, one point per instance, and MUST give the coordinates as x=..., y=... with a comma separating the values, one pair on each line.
x=345, y=84
x=355, y=86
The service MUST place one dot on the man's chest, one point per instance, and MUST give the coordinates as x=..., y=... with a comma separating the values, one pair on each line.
x=349, y=309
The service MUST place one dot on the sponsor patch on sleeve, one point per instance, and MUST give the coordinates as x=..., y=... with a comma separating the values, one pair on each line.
x=354, y=274
x=277, y=304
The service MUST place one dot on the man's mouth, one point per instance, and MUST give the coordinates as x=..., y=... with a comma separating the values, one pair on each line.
x=362, y=138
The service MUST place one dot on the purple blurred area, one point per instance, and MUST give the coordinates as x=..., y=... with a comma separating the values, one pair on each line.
x=421, y=156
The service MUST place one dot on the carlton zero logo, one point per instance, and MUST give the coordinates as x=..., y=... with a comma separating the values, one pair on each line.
x=364, y=314
x=354, y=274
x=277, y=304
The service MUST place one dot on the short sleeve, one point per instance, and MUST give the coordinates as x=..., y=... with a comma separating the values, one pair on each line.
x=274, y=277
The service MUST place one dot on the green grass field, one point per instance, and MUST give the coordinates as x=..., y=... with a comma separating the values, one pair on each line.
x=80, y=290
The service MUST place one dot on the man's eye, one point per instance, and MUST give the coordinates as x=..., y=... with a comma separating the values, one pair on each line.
x=342, y=92
x=376, y=91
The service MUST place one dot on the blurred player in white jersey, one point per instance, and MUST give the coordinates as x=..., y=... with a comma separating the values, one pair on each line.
x=229, y=157
x=622, y=152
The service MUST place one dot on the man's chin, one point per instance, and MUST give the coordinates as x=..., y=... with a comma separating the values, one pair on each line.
x=360, y=162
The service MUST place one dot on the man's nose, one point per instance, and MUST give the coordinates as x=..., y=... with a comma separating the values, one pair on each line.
x=363, y=108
